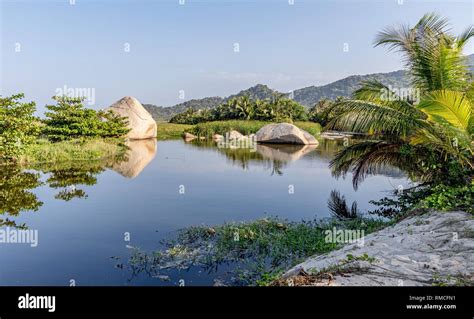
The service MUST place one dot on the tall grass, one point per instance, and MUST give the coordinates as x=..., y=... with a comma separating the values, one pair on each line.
x=76, y=150
x=169, y=131
x=207, y=129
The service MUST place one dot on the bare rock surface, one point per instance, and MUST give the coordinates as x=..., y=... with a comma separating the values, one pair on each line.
x=420, y=250
x=234, y=135
x=141, y=123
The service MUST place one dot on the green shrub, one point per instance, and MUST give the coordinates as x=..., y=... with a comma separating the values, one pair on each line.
x=69, y=119
x=451, y=198
x=18, y=127
x=444, y=197
x=191, y=116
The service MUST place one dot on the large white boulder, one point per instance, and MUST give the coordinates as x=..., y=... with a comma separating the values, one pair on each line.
x=285, y=133
x=141, y=124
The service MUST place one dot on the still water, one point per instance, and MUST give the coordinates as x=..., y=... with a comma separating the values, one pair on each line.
x=88, y=215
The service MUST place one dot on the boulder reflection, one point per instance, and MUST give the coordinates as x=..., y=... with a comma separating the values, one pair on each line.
x=139, y=155
x=273, y=156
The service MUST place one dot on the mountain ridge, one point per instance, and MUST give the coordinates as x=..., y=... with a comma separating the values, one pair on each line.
x=307, y=96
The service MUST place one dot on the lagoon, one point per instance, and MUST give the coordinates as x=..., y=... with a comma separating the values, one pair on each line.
x=89, y=216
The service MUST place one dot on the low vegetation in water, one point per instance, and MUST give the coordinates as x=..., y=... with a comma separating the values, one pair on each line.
x=44, y=151
x=245, y=127
x=257, y=251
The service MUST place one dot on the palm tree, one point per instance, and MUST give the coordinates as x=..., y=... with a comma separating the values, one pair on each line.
x=245, y=107
x=422, y=137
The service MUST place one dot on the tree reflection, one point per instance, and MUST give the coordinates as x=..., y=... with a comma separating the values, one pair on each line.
x=15, y=194
x=68, y=176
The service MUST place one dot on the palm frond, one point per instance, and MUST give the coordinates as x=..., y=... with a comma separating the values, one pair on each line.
x=368, y=158
x=377, y=92
x=434, y=22
x=452, y=106
x=464, y=37
x=367, y=117
x=338, y=207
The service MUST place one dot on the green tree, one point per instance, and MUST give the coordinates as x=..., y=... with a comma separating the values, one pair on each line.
x=112, y=125
x=288, y=110
x=69, y=119
x=18, y=126
x=245, y=108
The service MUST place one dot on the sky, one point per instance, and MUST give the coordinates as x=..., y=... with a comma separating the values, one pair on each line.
x=163, y=52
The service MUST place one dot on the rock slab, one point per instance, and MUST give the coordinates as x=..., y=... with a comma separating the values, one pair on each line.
x=419, y=251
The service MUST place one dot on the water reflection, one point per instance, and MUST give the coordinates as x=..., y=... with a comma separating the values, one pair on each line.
x=272, y=156
x=67, y=177
x=70, y=179
x=98, y=212
x=284, y=153
x=16, y=195
x=139, y=155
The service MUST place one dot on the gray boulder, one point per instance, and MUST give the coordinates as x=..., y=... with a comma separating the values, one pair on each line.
x=285, y=133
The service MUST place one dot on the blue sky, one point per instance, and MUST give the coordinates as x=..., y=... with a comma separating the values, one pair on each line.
x=189, y=48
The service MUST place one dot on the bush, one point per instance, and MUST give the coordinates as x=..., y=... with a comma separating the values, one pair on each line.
x=70, y=120
x=18, y=127
x=442, y=197
x=191, y=116
x=451, y=198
